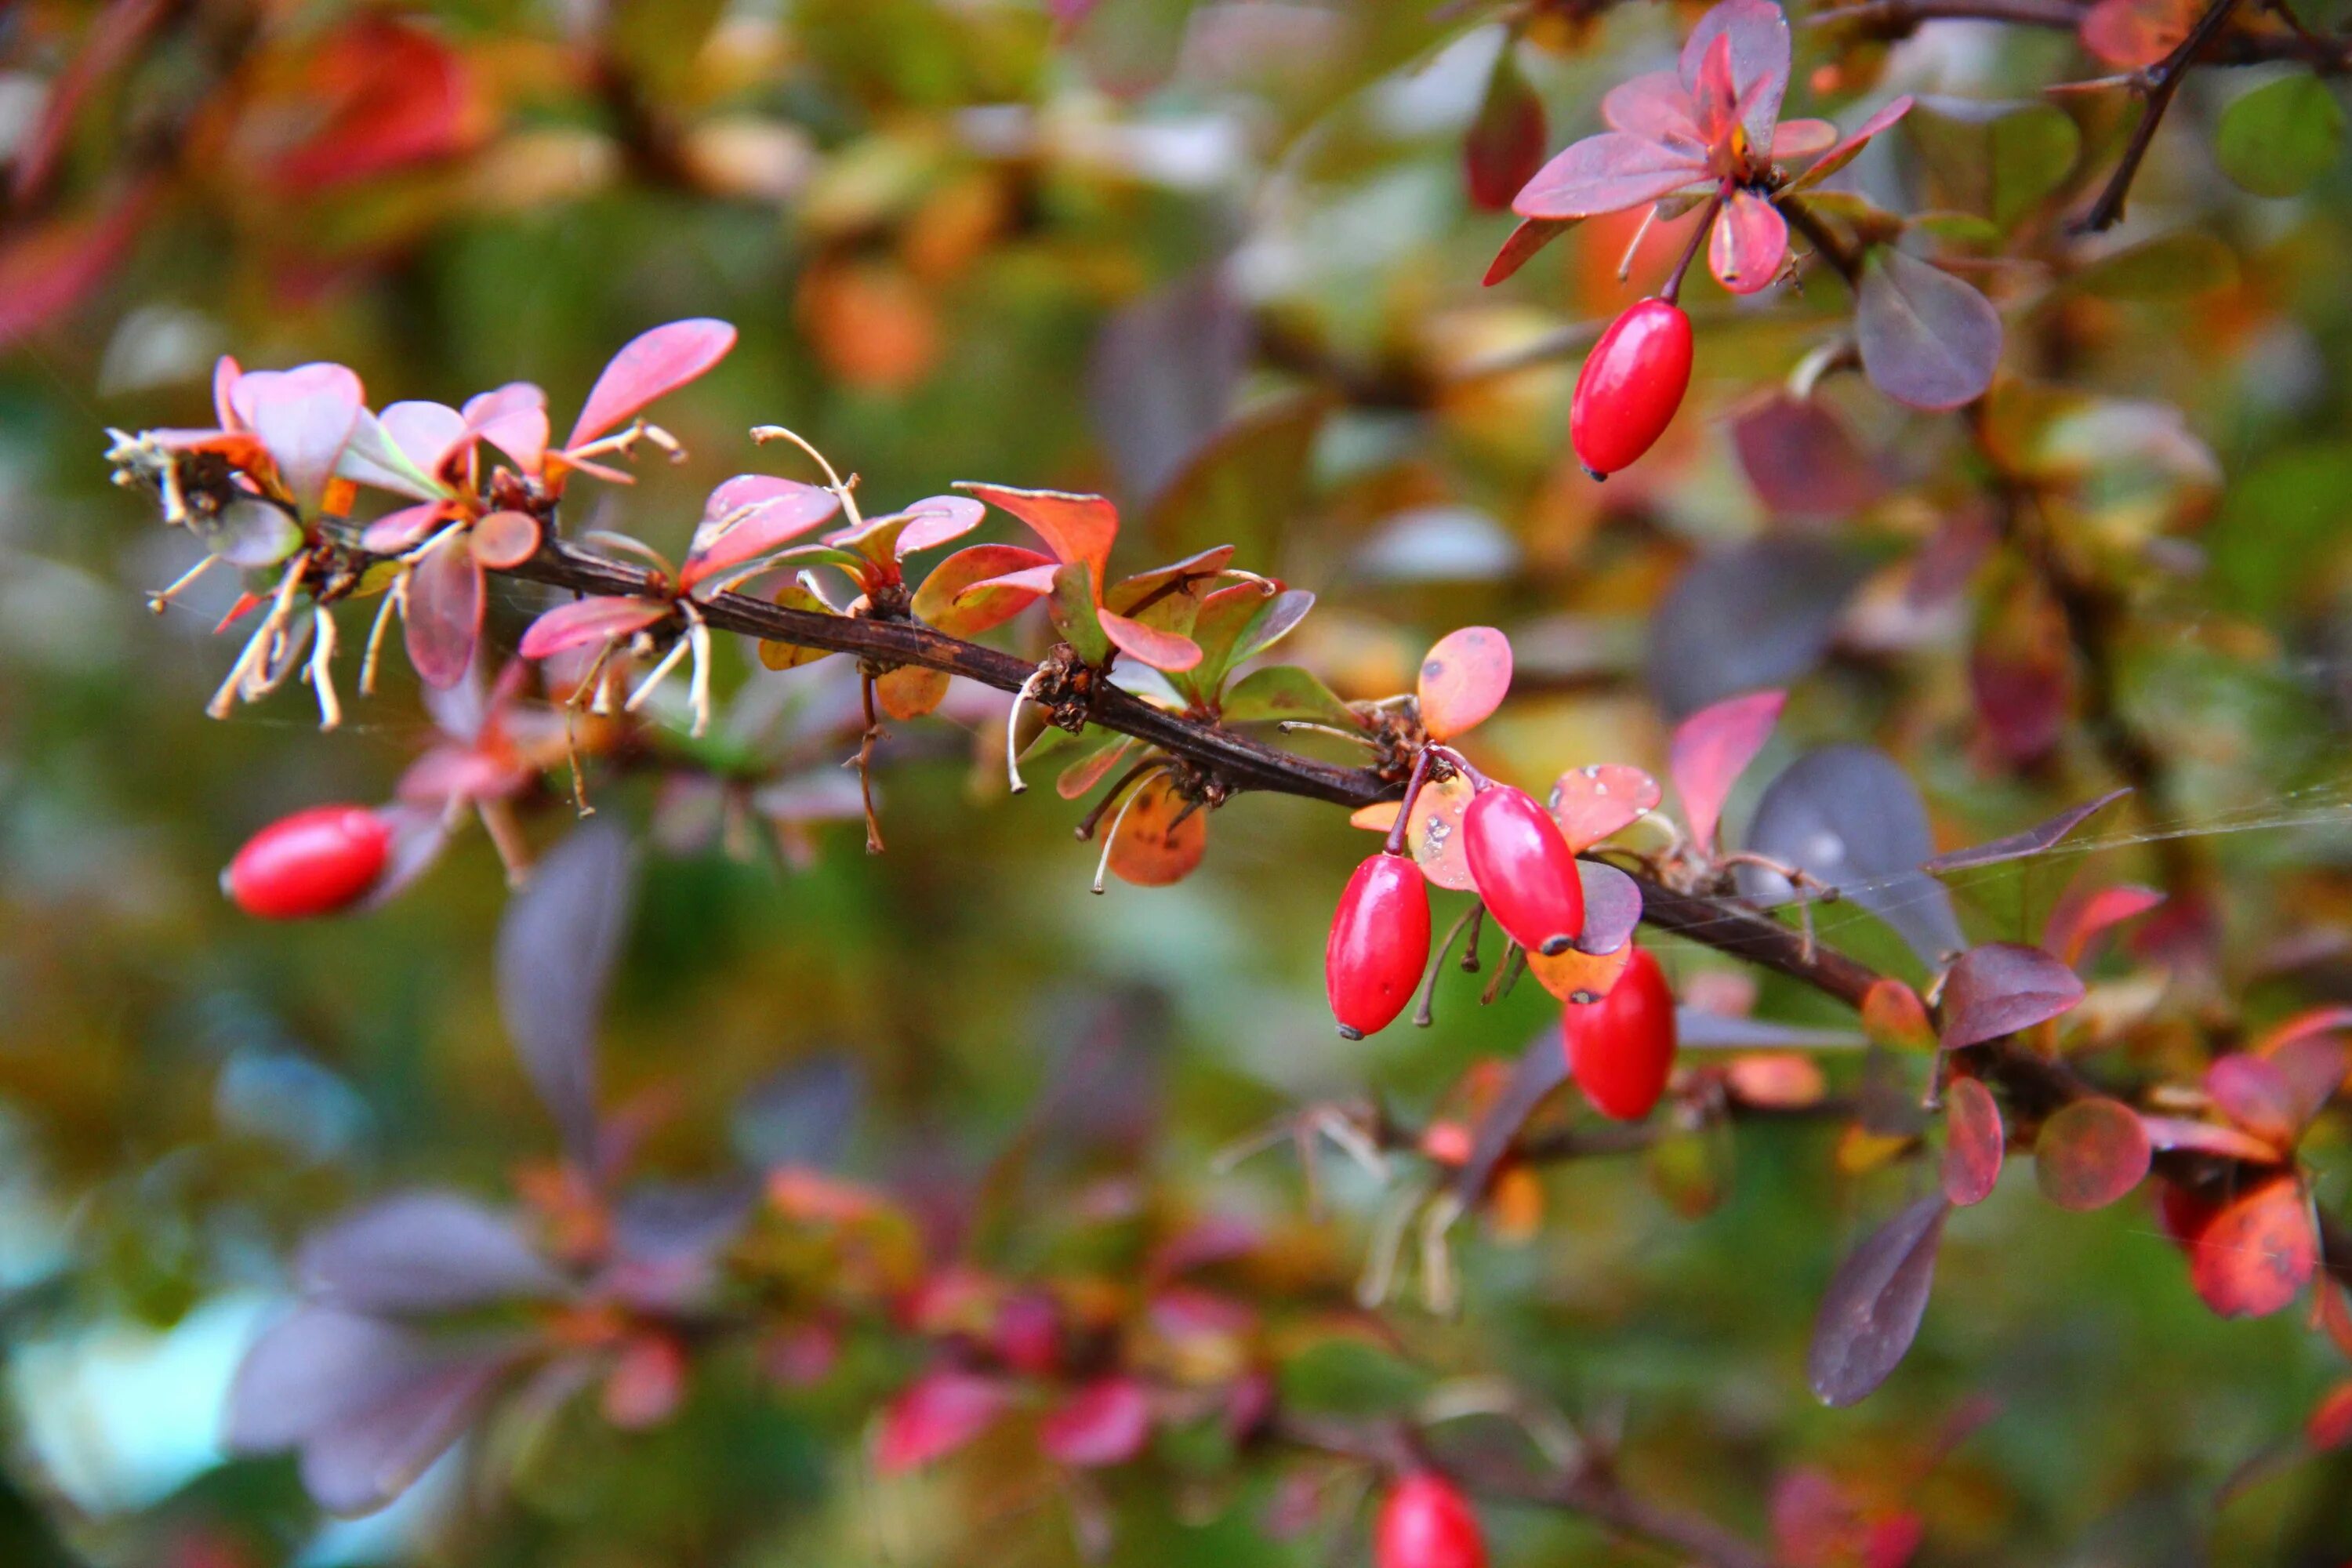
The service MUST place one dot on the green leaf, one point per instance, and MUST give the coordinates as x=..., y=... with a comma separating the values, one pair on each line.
x=1996, y=159
x=2170, y=267
x=2281, y=136
x=1285, y=691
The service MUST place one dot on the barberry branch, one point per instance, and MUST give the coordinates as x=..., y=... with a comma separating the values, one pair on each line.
x=1235, y=760
x=2160, y=84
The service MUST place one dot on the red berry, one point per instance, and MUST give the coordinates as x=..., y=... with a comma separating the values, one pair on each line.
x=314, y=862
x=1425, y=1522
x=1631, y=385
x=1523, y=869
x=1622, y=1048
x=1380, y=941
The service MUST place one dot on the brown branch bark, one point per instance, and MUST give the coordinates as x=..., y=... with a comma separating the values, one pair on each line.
x=2162, y=83
x=1238, y=760
x=1888, y=19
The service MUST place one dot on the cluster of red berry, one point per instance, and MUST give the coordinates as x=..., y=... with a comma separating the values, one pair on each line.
x=1620, y=1047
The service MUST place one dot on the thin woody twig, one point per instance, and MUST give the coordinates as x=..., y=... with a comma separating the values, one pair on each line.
x=2163, y=82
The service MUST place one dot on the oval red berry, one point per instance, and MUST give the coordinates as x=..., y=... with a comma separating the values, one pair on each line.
x=1426, y=1523
x=1621, y=1049
x=1631, y=385
x=315, y=862
x=1523, y=869
x=1378, y=942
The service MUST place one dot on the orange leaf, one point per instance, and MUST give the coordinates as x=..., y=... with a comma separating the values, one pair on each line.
x=1463, y=679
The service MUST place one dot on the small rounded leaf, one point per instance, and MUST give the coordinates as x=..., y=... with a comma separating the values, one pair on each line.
x=2281, y=136
x=1463, y=679
x=1927, y=339
x=1973, y=1142
x=2091, y=1154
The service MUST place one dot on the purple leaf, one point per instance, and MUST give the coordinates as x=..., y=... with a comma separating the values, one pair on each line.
x=2035, y=840
x=1851, y=817
x=2090, y=1154
x=802, y=1116
x=2002, y=987
x=1756, y=615
x=1801, y=459
x=1543, y=1068
x=1758, y=35
x=1750, y=242
x=304, y=417
x=443, y=618
x=422, y=1252
x=1927, y=339
x=648, y=367
x=556, y=949
x=310, y=1370
x=1506, y=144
x=1712, y=748
x=1163, y=376
x=1613, y=907
x=1872, y=1311
x=1606, y=172
x=363, y=1461
x=1697, y=1029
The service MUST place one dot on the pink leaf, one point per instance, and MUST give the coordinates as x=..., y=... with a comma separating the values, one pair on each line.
x=2207, y=1138
x=587, y=622
x=425, y=432
x=1750, y=242
x=1162, y=650
x=651, y=366
x=748, y=517
x=1592, y=802
x=1714, y=95
x=1075, y=527
x=934, y=1415
x=404, y=530
x=1795, y=138
x=1531, y=236
x=2253, y=1093
x=937, y=519
x=444, y=615
x=304, y=417
x=1605, y=173
x=1973, y=1142
x=1756, y=34
x=2135, y=34
x=505, y=540
x=1463, y=679
x=1712, y=748
x=1655, y=105
x=1105, y=1423
x=513, y=418
x=2002, y=987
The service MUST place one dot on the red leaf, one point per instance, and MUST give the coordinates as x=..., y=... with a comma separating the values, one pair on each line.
x=1161, y=837
x=1605, y=173
x=2081, y=917
x=1105, y=1423
x=934, y=1415
x=1750, y=242
x=1795, y=140
x=113, y=38
x=651, y=366
x=1973, y=1142
x=2090, y=1154
x=2303, y=1025
x=2002, y=987
x=1870, y=1312
x=1712, y=748
x=1845, y=152
x=588, y=622
x=2330, y=1426
x=392, y=96
x=1531, y=236
x=1162, y=650
x=942, y=600
x=1893, y=1015
x=645, y=1384
x=1506, y=144
x=1594, y=801
x=505, y=540
x=2134, y=34
x=443, y=618
x=1074, y=527
x=1463, y=679
x=2207, y=1137
x=2253, y=1093
x=2253, y=1255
